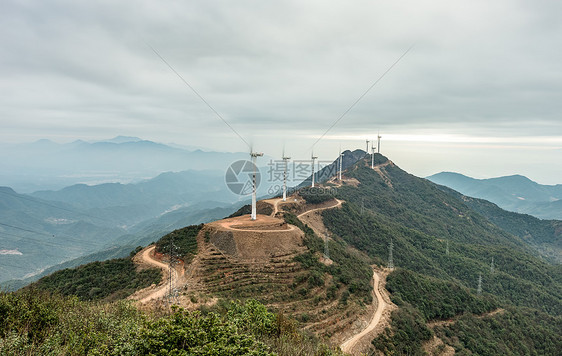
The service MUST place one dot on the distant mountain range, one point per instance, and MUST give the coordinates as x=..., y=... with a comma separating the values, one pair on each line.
x=466, y=274
x=85, y=198
x=49, y=227
x=514, y=193
x=45, y=164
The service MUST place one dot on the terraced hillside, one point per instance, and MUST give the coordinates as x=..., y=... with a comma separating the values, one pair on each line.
x=291, y=280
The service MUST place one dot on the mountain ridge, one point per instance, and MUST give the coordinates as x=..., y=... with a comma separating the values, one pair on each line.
x=515, y=193
x=443, y=245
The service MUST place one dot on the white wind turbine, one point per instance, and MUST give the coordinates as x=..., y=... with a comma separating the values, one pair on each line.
x=372, y=156
x=313, y=159
x=285, y=159
x=367, y=149
x=254, y=156
x=379, y=142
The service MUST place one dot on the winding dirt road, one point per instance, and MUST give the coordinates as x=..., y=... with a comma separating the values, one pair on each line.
x=350, y=344
x=339, y=202
x=161, y=289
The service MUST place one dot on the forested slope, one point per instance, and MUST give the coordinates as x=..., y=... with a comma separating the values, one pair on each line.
x=449, y=245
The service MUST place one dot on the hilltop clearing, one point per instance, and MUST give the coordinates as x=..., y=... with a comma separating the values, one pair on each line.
x=279, y=262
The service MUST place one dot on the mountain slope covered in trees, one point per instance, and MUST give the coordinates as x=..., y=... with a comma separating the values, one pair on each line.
x=443, y=244
x=514, y=193
x=449, y=245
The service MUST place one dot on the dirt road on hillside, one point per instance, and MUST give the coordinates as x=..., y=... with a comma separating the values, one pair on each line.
x=275, y=204
x=350, y=344
x=161, y=290
x=339, y=202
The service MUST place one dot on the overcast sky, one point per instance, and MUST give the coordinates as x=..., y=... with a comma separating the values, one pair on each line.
x=480, y=92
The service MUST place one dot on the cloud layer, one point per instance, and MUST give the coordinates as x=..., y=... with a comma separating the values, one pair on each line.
x=282, y=72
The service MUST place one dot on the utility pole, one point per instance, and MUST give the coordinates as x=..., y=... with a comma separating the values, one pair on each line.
x=447, y=248
x=172, y=293
x=492, y=267
x=390, y=258
x=362, y=205
x=326, y=248
x=479, y=290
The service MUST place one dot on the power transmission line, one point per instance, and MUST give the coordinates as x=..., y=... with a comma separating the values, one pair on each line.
x=49, y=243
x=363, y=95
x=199, y=96
x=19, y=196
x=27, y=230
x=85, y=242
x=326, y=247
x=479, y=289
x=172, y=290
x=390, y=257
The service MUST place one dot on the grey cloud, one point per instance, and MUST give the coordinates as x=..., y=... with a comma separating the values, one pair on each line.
x=478, y=67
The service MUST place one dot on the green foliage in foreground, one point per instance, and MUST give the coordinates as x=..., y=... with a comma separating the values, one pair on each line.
x=184, y=242
x=407, y=334
x=516, y=331
x=34, y=322
x=110, y=280
x=435, y=298
x=185, y=333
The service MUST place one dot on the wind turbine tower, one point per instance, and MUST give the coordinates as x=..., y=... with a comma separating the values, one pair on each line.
x=254, y=156
x=313, y=160
x=372, y=157
x=367, y=149
x=379, y=143
x=285, y=159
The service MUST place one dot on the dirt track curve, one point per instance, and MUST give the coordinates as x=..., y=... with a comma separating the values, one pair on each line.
x=161, y=290
x=339, y=202
x=350, y=344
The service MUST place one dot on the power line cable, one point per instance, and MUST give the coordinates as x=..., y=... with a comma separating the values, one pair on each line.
x=199, y=96
x=20, y=196
x=72, y=239
x=49, y=243
x=22, y=229
x=362, y=95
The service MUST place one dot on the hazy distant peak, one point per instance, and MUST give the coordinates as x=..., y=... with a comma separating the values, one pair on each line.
x=78, y=142
x=7, y=190
x=123, y=139
x=44, y=142
x=515, y=178
x=447, y=173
